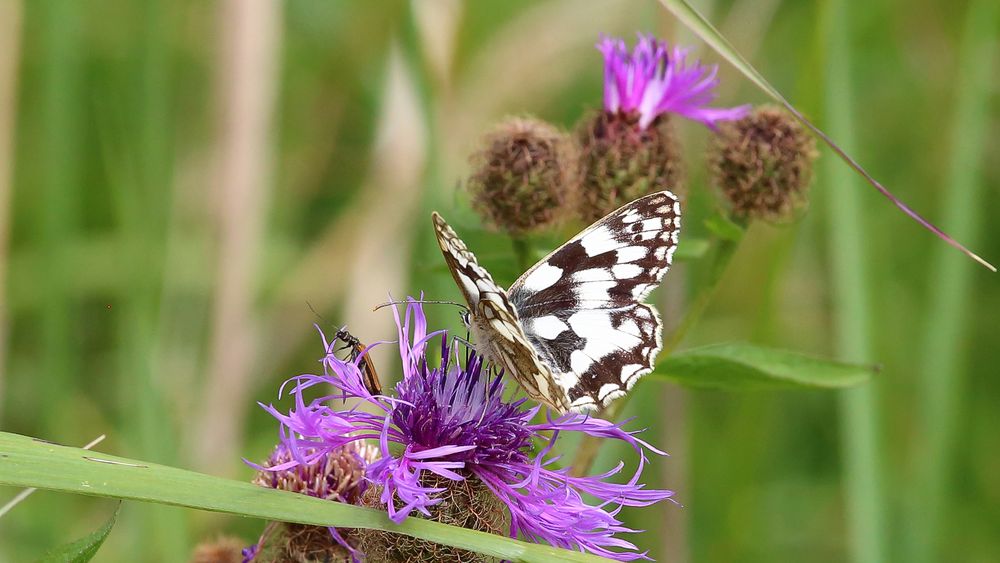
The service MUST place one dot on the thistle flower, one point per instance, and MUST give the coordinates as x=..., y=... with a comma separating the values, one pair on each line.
x=762, y=163
x=450, y=426
x=655, y=79
x=523, y=175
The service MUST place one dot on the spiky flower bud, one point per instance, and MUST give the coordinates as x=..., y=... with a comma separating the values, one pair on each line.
x=523, y=175
x=621, y=161
x=468, y=503
x=762, y=163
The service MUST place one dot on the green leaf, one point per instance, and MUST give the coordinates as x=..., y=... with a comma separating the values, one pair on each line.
x=697, y=23
x=28, y=462
x=741, y=366
x=83, y=549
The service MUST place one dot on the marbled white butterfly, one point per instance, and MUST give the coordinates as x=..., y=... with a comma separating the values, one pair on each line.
x=573, y=330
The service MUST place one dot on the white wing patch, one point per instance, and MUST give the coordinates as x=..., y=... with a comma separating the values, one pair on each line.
x=548, y=327
x=543, y=277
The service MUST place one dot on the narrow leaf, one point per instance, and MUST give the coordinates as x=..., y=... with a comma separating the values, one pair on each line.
x=741, y=366
x=724, y=227
x=692, y=249
x=83, y=549
x=27, y=462
x=704, y=29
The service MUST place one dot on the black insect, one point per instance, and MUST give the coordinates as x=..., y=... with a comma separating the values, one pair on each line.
x=358, y=350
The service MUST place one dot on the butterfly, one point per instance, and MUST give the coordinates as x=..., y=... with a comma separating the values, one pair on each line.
x=573, y=330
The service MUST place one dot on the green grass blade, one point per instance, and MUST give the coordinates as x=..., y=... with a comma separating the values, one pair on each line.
x=944, y=347
x=697, y=23
x=740, y=366
x=847, y=232
x=29, y=462
x=83, y=549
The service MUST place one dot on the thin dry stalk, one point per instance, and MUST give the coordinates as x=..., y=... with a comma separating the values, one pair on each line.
x=246, y=86
x=10, y=56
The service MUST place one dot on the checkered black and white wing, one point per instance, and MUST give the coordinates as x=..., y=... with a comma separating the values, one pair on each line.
x=494, y=323
x=581, y=307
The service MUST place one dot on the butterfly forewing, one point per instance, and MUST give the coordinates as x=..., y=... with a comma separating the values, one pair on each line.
x=494, y=323
x=573, y=329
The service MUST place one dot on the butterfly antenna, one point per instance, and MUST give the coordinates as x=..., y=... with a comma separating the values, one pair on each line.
x=422, y=301
x=464, y=341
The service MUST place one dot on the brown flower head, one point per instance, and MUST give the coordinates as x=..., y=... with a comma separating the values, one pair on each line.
x=762, y=164
x=523, y=176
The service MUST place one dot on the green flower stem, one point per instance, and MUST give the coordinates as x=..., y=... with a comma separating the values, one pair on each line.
x=851, y=290
x=725, y=249
x=522, y=252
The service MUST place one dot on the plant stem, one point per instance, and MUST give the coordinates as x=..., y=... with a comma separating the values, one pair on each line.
x=725, y=249
x=941, y=367
x=522, y=252
x=852, y=303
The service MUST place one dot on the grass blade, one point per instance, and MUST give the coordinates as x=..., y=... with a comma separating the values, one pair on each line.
x=941, y=368
x=29, y=462
x=851, y=290
x=704, y=29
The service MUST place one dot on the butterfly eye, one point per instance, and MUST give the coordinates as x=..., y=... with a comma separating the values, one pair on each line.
x=466, y=318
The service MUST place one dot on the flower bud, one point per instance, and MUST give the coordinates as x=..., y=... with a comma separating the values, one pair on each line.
x=523, y=176
x=224, y=549
x=762, y=164
x=621, y=161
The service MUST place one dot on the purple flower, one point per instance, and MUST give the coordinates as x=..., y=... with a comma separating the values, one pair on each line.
x=655, y=79
x=452, y=421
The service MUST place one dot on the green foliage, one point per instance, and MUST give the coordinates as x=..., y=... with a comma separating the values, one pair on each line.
x=83, y=549
x=742, y=366
x=110, y=126
x=32, y=463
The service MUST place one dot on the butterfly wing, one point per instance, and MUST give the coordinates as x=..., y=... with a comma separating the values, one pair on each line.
x=494, y=321
x=581, y=306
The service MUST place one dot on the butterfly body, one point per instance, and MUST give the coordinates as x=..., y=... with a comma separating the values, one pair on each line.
x=573, y=329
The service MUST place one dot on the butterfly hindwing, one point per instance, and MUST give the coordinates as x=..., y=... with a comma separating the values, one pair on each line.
x=573, y=330
x=581, y=306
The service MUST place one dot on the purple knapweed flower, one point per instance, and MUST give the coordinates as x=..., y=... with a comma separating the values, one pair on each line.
x=453, y=422
x=655, y=79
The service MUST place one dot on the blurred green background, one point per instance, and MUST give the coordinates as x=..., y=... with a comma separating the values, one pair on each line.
x=182, y=182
